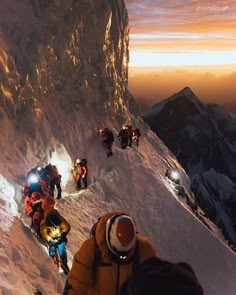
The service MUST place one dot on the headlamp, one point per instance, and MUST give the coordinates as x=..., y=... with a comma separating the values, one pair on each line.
x=174, y=175
x=33, y=178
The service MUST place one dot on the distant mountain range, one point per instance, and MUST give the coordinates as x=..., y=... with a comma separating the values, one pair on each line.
x=203, y=138
x=230, y=106
x=201, y=135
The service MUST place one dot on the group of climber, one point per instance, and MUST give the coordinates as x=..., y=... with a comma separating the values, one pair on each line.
x=46, y=221
x=43, y=180
x=115, y=260
x=127, y=134
x=126, y=137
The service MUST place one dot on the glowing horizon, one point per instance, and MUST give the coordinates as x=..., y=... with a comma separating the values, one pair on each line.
x=154, y=58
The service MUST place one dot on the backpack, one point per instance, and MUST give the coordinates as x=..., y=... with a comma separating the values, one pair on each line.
x=84, y=161
x=110, y=136
x=98, y=255
x=137, y=131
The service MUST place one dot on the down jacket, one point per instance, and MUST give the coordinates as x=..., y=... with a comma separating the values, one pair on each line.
x=49, y=232
x=80, y=279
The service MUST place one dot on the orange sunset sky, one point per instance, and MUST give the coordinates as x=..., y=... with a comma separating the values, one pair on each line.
x=196, y=38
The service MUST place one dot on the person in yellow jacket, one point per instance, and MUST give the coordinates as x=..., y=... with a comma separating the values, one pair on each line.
x=54, y=229
x=107, y=259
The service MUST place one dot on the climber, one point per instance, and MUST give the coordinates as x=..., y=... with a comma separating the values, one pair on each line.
x=47, y=202
x=80, y=171
x=130, y=134
x=107, y=138
x=55, y=179
x=173, y=176
x=124, y=137
x=32, y=185
x=135, y=135
x=32, y=204
x=54, y=229
x=106, y=260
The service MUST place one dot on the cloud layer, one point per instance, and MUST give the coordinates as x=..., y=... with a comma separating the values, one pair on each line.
x=184, y=24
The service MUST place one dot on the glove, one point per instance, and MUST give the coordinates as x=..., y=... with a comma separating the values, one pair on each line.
x=62, y=238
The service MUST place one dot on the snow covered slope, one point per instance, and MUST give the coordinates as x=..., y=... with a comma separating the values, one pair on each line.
x=63, y=74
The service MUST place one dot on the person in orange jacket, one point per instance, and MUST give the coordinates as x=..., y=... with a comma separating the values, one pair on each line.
x=54, y=229
x=33, y=208
x=32, y=203
x=55, y=179
x=80, y=172
x=106, y=260
x=46, y=202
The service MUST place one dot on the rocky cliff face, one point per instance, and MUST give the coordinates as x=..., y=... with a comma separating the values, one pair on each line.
x=216, y=193
x=65, y=55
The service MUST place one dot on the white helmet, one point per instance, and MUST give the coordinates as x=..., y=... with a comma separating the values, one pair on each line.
x=120, y=235
x=78, y=161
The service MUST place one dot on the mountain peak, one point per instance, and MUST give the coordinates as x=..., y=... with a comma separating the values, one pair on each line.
x=186, y=99
x=187, y=91
x=181, y=104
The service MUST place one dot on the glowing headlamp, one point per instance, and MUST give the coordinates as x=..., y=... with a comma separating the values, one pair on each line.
x=33, y=178
x=174, y=175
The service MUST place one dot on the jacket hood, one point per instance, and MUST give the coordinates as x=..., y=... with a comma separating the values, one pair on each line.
x=100, y=234
x=51, y=211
